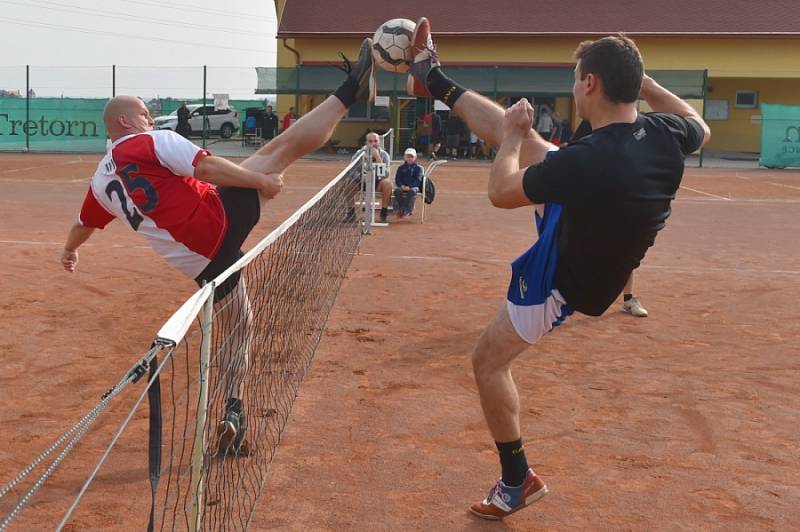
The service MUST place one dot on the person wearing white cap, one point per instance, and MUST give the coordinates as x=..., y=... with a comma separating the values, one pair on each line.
x=408, y=182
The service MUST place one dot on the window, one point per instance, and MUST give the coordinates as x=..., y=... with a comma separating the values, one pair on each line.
x=746, y=99
x=364, y=111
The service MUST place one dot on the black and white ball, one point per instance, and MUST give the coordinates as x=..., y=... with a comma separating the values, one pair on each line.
x=391, y=45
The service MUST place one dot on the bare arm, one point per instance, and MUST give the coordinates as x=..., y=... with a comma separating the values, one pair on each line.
x=485, y=118
x=77, y=236
x=663, y=101
x=505, y=178
x=223, y=172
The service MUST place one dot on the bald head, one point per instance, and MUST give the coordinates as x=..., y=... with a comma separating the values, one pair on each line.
x=126, y=115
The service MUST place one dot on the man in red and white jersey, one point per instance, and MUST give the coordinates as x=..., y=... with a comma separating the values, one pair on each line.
x=196, y=209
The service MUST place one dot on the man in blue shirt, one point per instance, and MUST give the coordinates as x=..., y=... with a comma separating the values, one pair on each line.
x=408, y=182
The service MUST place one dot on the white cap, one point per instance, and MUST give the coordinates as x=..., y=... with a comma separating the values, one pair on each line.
x=410, y=151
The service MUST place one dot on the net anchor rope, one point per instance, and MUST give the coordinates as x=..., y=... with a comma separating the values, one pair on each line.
x=76, y=432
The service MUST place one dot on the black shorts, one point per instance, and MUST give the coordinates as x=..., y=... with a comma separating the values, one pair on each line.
x=242, y=209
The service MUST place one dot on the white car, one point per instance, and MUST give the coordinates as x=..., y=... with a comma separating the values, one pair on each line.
x=224, y=122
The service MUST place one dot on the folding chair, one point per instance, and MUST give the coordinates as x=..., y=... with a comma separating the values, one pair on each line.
x=251, y=133
x=425, y=175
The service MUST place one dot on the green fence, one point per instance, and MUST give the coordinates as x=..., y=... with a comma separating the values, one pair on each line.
x=780, y=135
x=52, y=124
x=59, y=109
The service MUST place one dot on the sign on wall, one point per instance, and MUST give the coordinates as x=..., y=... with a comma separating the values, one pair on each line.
x=716, y=110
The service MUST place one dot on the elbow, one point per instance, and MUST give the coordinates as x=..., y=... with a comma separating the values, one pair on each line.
x=498, y=199
x=706, y=135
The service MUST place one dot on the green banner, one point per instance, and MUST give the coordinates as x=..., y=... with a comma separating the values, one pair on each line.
x=52, y=124
x=780, y=135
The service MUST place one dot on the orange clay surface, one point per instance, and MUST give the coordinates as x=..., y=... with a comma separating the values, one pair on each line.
x=685, y=420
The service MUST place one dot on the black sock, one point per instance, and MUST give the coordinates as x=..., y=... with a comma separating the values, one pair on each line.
x=443, y=88
x=384, y=211
x=513, y=462
x=347, y=91
x=626, y=297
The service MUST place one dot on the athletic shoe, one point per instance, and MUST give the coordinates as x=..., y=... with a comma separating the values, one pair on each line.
x=384, y=217
x=425, y=58
x=231, y=429
x=503, y=500
x=634, y=307
x=363, y=71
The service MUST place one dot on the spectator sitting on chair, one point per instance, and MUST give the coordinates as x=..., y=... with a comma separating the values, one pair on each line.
x=270, y=125
x=382, y=185
x=408, y=182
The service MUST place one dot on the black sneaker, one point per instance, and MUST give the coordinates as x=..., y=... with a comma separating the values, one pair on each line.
x=384, y=217
x=231, y=429
x=363, y=72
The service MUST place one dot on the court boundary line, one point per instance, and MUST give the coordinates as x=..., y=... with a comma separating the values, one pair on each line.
x=687, y=269
x=706, y=193
x=65, y=163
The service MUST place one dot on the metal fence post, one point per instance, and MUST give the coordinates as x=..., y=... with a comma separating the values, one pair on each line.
x=705, y=95
x=27, y=106
x=205, y=111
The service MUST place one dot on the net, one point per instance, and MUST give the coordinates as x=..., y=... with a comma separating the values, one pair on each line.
x=264, y=335
x=240, y=345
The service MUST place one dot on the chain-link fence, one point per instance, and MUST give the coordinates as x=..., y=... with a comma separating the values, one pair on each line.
x=48, y=109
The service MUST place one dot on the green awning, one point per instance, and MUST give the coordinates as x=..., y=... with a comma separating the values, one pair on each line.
x=491, y=81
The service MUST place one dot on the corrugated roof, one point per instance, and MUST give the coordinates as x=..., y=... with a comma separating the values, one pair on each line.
x=552, y=18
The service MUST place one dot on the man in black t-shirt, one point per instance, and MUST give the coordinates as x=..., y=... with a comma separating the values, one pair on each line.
x=630, y=303
x=270, y=125
x=599, y=203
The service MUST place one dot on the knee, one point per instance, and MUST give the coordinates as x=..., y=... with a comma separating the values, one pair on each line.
x=482, y=363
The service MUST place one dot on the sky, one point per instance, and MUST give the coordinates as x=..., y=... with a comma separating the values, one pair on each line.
x=159, y=47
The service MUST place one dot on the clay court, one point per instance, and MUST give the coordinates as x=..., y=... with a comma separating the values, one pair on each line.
x=686, y=420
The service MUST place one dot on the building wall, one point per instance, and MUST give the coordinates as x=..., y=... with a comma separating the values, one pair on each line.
x=770, y=66
x=742, y=130
x=724, y=57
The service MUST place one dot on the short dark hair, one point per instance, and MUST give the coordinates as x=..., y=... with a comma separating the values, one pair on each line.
x=617, y=62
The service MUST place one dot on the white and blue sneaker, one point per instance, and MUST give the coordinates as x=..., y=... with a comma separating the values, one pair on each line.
x=503, y=500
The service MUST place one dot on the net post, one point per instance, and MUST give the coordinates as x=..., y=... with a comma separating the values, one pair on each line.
x=369, y=185
x=198, y=454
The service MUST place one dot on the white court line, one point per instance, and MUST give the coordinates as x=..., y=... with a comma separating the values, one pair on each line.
x=74, y=161
x=740, y=201
x=711, y=199
x=47, y=181
x=59, y=244
x=782, y=185
x=705, y=193
x=682, y=269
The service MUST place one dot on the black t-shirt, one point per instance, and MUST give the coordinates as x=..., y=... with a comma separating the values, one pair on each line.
x=270, y=122
x=615, y=186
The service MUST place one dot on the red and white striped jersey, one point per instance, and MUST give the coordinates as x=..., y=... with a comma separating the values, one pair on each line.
x=147, y=180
